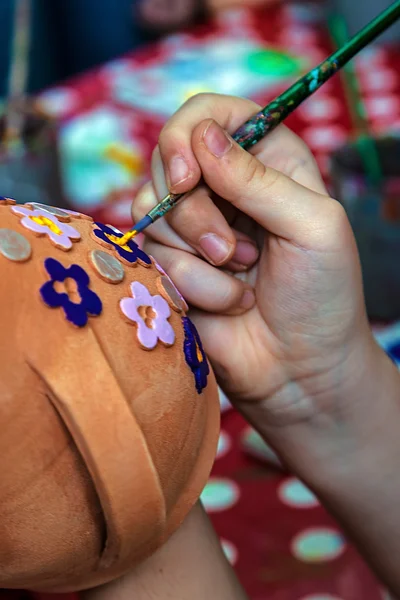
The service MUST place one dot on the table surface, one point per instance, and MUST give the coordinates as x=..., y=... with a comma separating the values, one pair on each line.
x=282, y=543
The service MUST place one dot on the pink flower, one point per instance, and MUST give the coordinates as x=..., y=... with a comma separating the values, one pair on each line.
x=150, y=314
x=42, y=222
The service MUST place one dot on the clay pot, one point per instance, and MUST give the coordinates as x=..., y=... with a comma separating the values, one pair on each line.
x=105, y=444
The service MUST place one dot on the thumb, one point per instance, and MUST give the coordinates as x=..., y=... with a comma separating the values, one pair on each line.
x=276, y=202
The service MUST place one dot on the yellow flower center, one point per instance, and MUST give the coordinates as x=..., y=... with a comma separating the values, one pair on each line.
x=115, y=240
x=47, y=223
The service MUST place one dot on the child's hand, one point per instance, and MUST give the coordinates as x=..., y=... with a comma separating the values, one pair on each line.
x=296, y=356
x=276, y=232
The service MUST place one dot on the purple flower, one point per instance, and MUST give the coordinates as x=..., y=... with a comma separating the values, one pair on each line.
x=78, y=302
x=130, y=253
x=43, y=222
x=150, y=314
x=195, y=355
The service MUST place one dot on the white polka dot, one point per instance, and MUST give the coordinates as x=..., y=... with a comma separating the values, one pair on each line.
x=230, y=551
x=119, y=67
x=321, y=597
x=294, y=493
x=382, y=80
x=373, y=56
x=318, y=545
x=298, y=36
x=383, y=107
x=320, y=109
x=59, y=101
x=224, y=444
x=223, y=400
x=326, y=138
x=253, y=444
x=219, y=494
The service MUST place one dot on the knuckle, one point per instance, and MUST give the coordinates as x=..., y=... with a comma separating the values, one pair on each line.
x=254, y=172
x=202, y=98
x=331, y=226
x=337, y=215
x=229, y=295
x=271, y=178
x=259, y=177
x=166, y=137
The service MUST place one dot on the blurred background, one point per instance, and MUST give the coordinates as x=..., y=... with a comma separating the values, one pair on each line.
x=85, y=88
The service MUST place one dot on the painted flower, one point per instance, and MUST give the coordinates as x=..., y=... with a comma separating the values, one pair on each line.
x=63, y=214
x=159, y=268
x=43, y=222
x=75, y=298
x=150, y=314
x=130, y=253
x=195, y=355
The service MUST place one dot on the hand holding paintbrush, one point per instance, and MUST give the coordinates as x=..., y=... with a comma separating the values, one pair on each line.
x=269, y=265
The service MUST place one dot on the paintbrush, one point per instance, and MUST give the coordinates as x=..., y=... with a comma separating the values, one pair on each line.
x=274, y=113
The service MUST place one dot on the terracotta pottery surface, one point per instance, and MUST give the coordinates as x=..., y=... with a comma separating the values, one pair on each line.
x=105, y=444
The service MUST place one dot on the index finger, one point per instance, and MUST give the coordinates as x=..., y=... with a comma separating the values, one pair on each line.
x=182, y=171
x=281, y=149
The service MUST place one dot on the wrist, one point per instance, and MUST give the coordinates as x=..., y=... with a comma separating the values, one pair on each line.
x=352, y=422
x=350, y=460
x=365, y=438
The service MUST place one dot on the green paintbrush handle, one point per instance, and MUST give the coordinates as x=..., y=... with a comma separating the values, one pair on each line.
x=272, y=115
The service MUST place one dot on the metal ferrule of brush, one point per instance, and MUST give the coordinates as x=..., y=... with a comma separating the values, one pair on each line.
x=165, y=206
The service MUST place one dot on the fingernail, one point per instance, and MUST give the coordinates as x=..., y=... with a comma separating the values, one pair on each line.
x=215, y=248
x=178, y=170
x=248, y=300
x=216, y=140
x=246, y=253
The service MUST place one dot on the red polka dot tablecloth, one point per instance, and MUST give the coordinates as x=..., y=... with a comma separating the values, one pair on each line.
x=282, y=543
